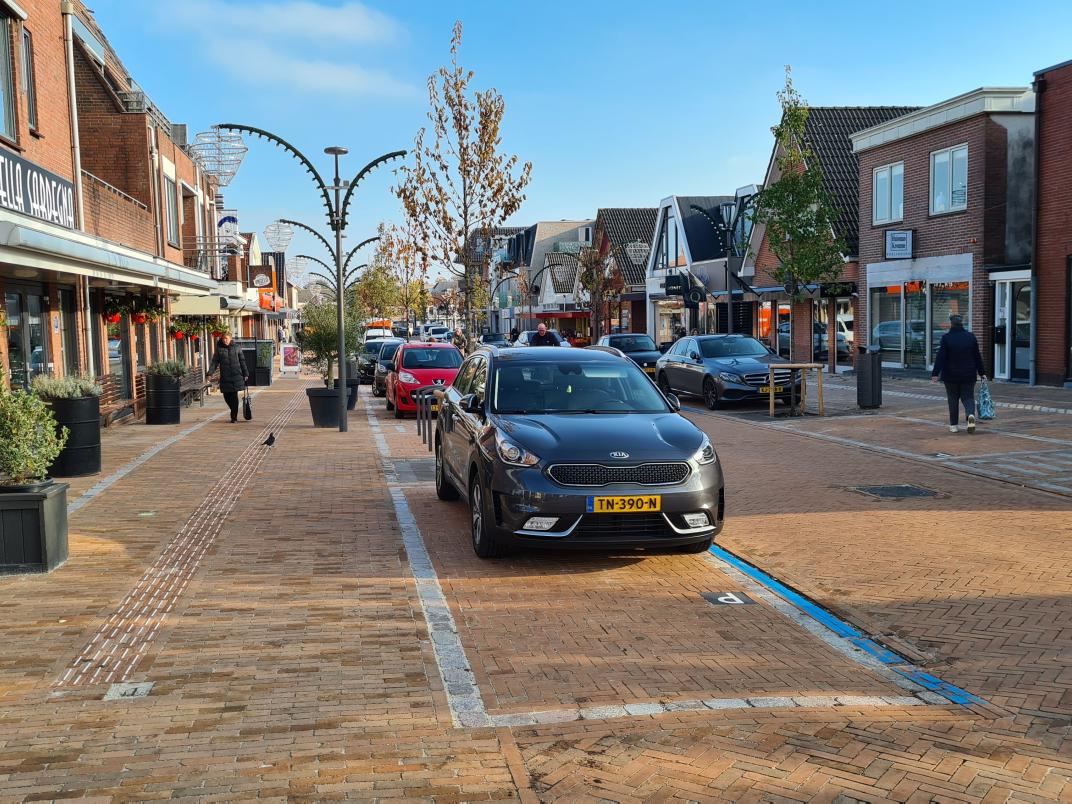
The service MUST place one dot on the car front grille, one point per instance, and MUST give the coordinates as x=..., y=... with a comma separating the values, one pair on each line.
x=596, y=474
x=781, y=376
x=627, y=527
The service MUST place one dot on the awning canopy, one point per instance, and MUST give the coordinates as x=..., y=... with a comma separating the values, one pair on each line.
x=36, y=245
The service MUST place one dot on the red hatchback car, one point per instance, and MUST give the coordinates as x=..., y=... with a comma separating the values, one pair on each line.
x=415, y=366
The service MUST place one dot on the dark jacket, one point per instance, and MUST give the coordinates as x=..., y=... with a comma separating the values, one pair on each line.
x=547, y=339
x=958, y=358
x=228, y=359
x=460, y=342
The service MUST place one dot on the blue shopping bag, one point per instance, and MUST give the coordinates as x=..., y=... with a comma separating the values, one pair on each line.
x=986, y=402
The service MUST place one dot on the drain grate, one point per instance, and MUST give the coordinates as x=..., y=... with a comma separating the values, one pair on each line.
x=897, y=492
x=415, y=471
x=127, y=689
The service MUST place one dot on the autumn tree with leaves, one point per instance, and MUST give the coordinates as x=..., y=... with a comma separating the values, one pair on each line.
x=400, y=248
x=796, y=210
x=461, y=185
x=600, y=282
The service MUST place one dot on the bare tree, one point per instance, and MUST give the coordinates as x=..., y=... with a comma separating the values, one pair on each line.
x=600, y=283
x=461, y=185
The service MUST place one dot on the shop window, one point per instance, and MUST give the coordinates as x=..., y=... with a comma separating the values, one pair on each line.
x=888, y=194
x=69, y=333
x=29, y=83
x=947, y=298
x=949, y=180
x=7, y=83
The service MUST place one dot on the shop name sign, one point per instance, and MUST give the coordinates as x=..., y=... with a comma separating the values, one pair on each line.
x=898, y=244
x=31, y=190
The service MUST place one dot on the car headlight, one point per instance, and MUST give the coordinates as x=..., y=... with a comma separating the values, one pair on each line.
x=729, y=376
x=381, y=368
x=511, y=453
x=706, y=453
x=407, y=378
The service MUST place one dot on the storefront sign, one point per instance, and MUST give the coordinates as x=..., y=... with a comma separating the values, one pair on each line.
x=262, y=277
x=898, y=244
x=31, y=190
x=290, y=362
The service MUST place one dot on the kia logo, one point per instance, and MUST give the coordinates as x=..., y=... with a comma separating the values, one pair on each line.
x=619, y=455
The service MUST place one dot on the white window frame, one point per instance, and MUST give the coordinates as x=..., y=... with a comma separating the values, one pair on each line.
x=949, y=207
x=171, y=209
x=875, y=219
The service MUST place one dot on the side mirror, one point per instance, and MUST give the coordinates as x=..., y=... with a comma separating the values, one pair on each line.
x=675, y=403
x=694, y=355
x=471, y=403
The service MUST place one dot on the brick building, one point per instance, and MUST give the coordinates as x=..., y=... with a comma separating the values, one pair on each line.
x=106, y=220
x=1053, y=248
x=946, y=218
x=804, y=329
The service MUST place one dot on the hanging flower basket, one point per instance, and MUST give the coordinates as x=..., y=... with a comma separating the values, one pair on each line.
x=178, y=335
x=139, y=318
x=114, y=318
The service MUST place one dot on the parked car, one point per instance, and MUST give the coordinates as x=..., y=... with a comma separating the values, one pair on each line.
x=526, y=336
x=437, y=334
x=369, y=354
x=383, y=365
x=495, y=339
x=819, y=340
x=638, y=347
x=417, y=365
x=722, y=368
x=573, y=451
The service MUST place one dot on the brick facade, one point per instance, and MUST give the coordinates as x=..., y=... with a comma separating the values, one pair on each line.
x=1054, y=245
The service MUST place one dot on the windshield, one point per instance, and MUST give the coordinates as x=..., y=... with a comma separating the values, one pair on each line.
x=372, y=347
x=389, y=350
x=732, y=347
x=431, y=358
x=633, y=343
x=578, y=387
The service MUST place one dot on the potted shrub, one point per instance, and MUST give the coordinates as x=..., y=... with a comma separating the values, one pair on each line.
x=319, y=343
x=75, y=403
x=265, y=355
x=162, y=393
x=33, y=507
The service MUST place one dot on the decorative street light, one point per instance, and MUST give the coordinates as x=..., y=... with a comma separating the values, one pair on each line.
x=220, y=153
x=278, y=235
x=336, y=209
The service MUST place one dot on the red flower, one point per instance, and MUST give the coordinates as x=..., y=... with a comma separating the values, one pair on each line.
x=139, y=318
x=179, y=335
x=114, y=318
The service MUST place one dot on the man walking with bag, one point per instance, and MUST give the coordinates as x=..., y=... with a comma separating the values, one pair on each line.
x=958, y=364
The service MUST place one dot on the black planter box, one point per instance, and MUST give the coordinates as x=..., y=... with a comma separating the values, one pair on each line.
x=33, y=529
x=263, y=376
x=324, y=405
x=162, y=399
x=353, y=386
x=82, y=453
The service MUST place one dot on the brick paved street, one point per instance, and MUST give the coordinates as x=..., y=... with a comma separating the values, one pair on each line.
x=303, y=660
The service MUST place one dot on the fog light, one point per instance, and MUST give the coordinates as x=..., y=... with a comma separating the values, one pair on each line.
x=541, y=522
x=696, y=520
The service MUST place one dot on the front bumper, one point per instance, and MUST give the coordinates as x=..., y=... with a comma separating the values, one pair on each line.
x=519, y=494
x=743, y=392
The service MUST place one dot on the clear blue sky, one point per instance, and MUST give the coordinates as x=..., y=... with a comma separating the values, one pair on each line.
x=615, y=102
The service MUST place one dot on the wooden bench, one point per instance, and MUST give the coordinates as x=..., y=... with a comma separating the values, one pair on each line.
x=194, y=385
x=113, y=398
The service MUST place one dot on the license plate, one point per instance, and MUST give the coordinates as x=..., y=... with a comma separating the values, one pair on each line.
x=625, y=505
x=649, y=369
x=777, y=389
x=435, y=407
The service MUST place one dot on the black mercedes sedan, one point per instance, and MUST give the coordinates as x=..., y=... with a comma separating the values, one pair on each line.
x=722, y=368
x=573, y=449
x=638, y=347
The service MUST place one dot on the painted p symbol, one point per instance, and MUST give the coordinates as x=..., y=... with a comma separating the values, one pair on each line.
x=727, y=598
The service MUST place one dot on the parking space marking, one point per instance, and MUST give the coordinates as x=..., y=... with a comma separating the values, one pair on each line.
x=467, y=708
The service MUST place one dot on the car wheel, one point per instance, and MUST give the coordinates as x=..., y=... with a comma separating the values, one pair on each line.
x=710, y=394
x=443, y=488
x=697, y=547
x=484, y=543
x=664, y=384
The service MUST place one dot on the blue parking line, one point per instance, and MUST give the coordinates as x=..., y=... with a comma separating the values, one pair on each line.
x=899, y=664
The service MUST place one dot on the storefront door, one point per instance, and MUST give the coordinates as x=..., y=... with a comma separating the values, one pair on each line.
x=915, y=325
x=27, y=344
x=1020, y=333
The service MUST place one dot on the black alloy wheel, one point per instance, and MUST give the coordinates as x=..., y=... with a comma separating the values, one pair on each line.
x=710, y=394
x=443, y=488
x=484, y=543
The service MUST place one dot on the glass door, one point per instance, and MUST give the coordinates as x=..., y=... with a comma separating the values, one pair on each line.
x=886, y=326
x=915, y=325
x=16, y=347
x=1021, y=334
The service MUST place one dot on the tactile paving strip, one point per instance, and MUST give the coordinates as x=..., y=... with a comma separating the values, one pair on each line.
x=119, y=644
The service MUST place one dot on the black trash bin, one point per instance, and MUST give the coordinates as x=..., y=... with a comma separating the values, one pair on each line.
x=869, y=377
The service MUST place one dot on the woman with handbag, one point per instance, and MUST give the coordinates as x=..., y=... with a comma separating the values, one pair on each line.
x=957, y=365
x=232, y=367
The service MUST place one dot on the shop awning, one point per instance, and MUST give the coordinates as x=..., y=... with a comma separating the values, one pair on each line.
x=45, y=247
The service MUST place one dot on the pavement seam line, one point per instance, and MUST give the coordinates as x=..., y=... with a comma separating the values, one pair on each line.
x=463, y=694
x=936, y=398
x=105, y=483
x=120, y=643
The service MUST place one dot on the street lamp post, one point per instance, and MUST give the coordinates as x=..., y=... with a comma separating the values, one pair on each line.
x=336, y=213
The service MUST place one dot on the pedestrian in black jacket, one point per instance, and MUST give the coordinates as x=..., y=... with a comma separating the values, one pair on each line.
x=228, y=359
x=958, y=364
x=543, y=337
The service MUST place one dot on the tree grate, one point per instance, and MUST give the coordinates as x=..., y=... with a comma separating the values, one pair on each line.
x=902, y=491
